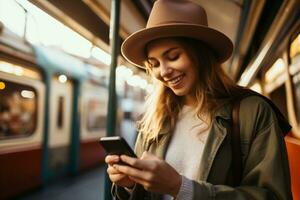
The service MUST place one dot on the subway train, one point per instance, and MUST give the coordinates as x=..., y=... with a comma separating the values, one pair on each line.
x=53, y=110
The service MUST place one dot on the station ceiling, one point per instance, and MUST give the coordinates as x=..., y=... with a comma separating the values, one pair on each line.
x=91, y=18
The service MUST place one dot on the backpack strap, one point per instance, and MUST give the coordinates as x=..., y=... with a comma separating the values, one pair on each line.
x=236, y=144
x=237, y=164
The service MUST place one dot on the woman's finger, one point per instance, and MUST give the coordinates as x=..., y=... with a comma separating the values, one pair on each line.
x=112, y=170
x=116, y=177
x=131, y=171
x=136, y=163
x=142, y=182
x=112, y=159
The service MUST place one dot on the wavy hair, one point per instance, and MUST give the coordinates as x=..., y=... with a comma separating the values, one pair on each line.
x=214, y=89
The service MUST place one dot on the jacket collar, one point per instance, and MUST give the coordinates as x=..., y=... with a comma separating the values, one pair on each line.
x=223, y=112
x=218, y=131
x=216, y=136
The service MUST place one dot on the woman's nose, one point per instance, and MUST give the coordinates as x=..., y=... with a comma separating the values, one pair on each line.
x=165, y=70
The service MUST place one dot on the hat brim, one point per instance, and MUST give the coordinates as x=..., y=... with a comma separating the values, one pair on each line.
x=133, y=48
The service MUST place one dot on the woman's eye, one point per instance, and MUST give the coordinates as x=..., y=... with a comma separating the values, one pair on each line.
x=173, y=57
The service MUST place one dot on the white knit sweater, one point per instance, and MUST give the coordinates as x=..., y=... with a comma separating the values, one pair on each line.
x=185, y=150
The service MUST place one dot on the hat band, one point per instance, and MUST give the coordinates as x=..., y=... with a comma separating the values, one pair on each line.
x=174, y=22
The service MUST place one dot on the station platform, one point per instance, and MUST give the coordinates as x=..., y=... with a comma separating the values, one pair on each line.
x=88, y=185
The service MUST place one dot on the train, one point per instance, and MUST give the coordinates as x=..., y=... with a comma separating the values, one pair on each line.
x=53, y=109
x=274, y=72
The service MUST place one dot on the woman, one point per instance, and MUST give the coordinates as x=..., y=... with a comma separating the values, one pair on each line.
x=184, y=143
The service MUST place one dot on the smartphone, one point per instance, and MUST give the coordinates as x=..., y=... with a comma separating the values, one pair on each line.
x=116, y=145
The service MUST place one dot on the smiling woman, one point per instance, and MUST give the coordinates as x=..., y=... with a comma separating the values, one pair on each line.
x=169, y=61
x=187, y=74
x=185, y=143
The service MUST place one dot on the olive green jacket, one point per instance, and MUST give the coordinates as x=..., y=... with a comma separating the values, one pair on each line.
x=265, y=163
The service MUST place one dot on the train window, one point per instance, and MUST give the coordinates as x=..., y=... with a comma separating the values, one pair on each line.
x=256, y=87
x=96, y=119
x=60, y=112
x=295, y=49
x=275, y=76
x=18, y=110
x=19, y=70
x=278, y=96
x=295, y=71
x=296, y=81
x=275, y=71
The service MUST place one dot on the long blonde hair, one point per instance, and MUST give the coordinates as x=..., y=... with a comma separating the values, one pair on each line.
x=213, y=90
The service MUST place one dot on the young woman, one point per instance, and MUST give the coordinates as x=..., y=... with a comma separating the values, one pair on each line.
x=184, y=143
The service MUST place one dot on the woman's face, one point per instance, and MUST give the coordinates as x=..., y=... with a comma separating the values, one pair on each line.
x=171, y=62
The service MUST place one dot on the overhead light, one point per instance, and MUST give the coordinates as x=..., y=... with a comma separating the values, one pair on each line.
x=2, y=85
x=11, y=68
x=133, y=80
x=6, y=67
x=27, y=94
x=276, y=69
x=18, y=71
x=126, y=74
x=62, y=78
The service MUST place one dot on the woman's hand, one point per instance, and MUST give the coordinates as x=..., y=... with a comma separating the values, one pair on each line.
x=153, y=173
x=115, y=175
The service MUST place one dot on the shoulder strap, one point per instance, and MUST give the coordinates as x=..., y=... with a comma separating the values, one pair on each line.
x=282, y=121
x=237, y=163
x=236, y=144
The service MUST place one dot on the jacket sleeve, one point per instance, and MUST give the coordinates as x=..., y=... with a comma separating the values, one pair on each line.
x=266, y=171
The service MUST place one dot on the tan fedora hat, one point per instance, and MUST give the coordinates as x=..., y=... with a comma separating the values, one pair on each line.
x=176, y=18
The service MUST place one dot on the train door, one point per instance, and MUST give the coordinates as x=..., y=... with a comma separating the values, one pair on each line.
x=61, y=96
x=22, y=94
x=93, y=124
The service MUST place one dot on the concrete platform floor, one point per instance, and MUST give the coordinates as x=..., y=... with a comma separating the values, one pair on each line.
x=86, y=186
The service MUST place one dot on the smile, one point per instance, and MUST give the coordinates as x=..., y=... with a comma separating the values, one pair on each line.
x=176, y=80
